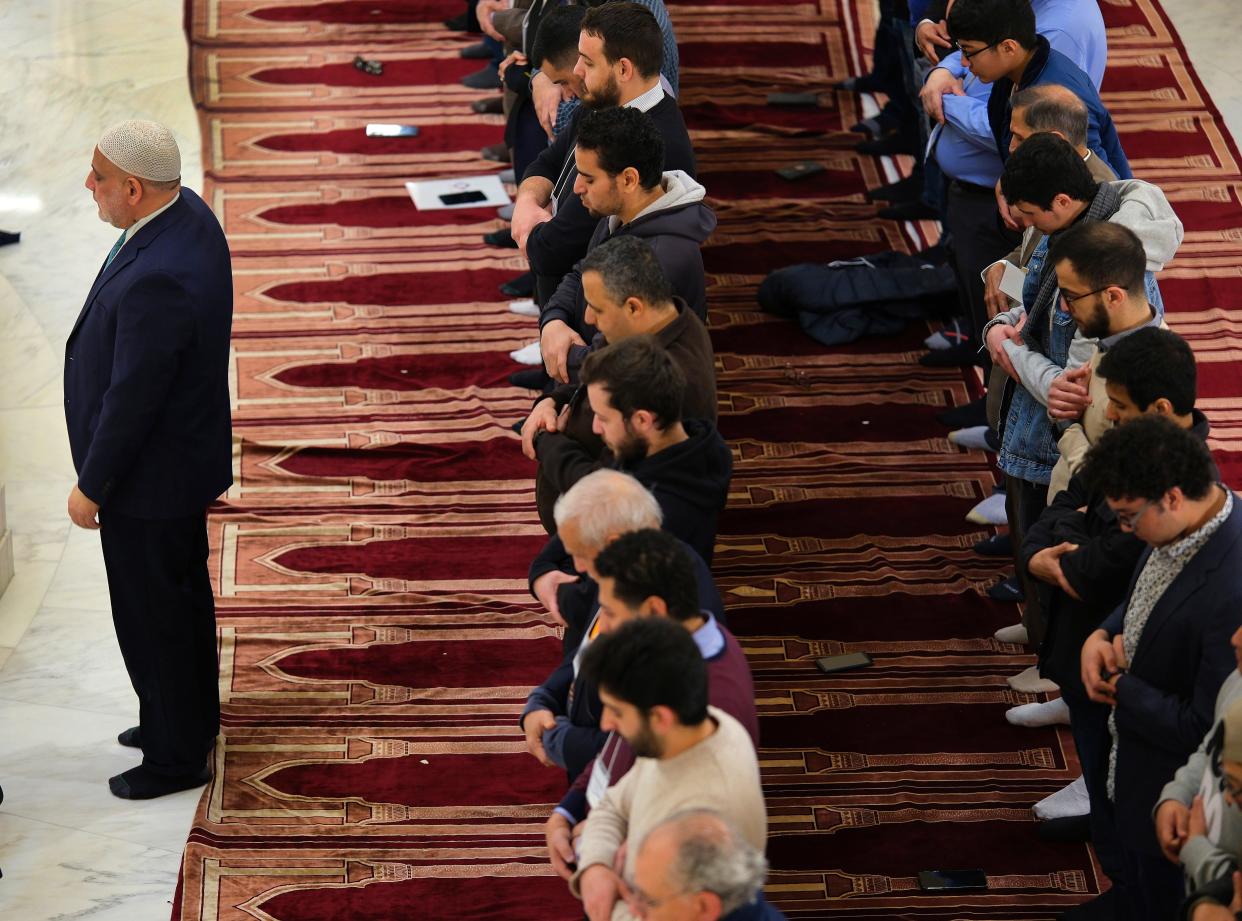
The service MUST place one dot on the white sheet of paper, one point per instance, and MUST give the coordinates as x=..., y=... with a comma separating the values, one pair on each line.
x=1012, y=282
x=428, y=194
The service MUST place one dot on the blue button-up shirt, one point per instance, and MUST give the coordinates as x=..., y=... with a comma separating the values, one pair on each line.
x=964, y=146
x=1073, y=27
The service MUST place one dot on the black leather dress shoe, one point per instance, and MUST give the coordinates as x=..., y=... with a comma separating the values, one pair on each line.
x=485, y=79
x=140, y=783
x=131, y=737
x=965, y=416
x=887, y=146
x=912, y=210
x=492, y=105
x=476, y=52
x=530, y=378
x=901, y=190
x=522, y=286
x=997, y=545
x=1074, y=829
x=502, y=238
x=1009, y=590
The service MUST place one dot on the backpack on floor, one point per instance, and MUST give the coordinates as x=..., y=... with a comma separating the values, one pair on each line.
x=839, y=302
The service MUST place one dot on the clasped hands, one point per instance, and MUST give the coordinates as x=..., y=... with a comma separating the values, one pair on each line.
x=1103, y=662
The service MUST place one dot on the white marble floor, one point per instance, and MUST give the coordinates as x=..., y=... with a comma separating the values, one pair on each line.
x=68, y=849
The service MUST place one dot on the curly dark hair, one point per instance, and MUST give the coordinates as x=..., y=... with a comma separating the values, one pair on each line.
x=650, y=563
x=650, y=662
x=1153, y=363
x=1043, y=168
x=1145, y=458
x=623, y=137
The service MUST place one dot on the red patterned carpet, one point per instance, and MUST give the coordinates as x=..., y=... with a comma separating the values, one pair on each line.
x=377, y=639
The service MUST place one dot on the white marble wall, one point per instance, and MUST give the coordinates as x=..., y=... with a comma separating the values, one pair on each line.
x=71, y=67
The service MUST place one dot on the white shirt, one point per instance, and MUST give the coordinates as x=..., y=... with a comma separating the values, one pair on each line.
x=645, y=102
x=144, y=221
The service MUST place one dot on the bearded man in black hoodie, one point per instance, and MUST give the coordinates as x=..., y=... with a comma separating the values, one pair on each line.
x=636, y=392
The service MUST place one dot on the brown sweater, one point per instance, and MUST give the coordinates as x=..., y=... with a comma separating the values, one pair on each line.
x=566, y=457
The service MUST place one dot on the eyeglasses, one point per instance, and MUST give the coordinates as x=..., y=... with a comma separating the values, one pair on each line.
x=1129, y=519
x=1078, y=297
x=644, y=904
x=970, y=55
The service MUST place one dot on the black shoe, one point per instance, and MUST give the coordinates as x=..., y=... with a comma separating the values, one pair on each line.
x=7, y=237
x=458, y=24
x=996, y=545
x=476, y=52
x=887, y=146
x=876, y=126
x=131, y=737
x=497, y=153
x=1074, y=829
x=492, y=105
x=522, y=286
x=966, y=416
x=1010, y=590
x=530, y=378
x=912, y=210
x=502, y=238
x=140, y=783
x=959, y=356
x=901, y=190
x=1102, y=908
x=485, y=79
x=863, y=84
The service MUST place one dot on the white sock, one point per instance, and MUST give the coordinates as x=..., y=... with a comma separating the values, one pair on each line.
x=1053, y=712
x=990, y=511
x=1065, y=803
x=528, y=355
x=1014, y=633
x=526, y=308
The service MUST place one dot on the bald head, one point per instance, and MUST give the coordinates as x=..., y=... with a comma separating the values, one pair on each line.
x=702, y=856
x=1049, y=107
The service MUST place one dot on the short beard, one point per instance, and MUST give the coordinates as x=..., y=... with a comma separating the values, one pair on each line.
x=646, y=744
x=631, y=451
x=1096, y=326
x=608, y=97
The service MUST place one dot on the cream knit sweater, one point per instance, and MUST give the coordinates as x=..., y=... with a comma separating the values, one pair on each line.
x=719, y=773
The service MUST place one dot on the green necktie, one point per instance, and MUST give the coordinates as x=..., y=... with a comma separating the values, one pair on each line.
x=116, y=248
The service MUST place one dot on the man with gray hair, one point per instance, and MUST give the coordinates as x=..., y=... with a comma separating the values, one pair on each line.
x=561, y=716
x=148, y=412
x=694, y=866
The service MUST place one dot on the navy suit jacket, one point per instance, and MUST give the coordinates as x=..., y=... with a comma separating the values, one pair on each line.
x=146, y=370
x=1165, y=701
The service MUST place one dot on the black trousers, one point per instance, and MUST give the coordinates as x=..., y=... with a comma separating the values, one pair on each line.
x=1024, y=503
x=165, y=620
x=979, y=239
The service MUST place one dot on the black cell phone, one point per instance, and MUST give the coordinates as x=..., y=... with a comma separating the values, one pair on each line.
x=952, y=880
x=793, y=99
x=380, y=130
x=462, y=198
x=830, y=665
x=800, y=170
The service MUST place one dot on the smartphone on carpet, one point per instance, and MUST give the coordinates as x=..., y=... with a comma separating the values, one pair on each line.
x=462, y=198
x=793, y=99
x=952, y=880
x=830, y=665
x=800, y=170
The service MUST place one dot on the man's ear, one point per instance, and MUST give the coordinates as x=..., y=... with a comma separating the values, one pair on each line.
x=626, y=68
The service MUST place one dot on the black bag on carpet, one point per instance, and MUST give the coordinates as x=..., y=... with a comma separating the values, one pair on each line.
x=839, y=302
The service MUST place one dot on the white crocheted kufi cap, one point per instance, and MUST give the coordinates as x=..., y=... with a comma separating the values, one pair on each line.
x=144, y=149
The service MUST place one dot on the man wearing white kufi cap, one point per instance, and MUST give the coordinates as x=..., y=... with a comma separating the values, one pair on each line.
x=147, y=406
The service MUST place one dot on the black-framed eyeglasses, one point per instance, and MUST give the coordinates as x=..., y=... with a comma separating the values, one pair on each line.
x=1129, y=519
x=1078, y=297
x=968, y=55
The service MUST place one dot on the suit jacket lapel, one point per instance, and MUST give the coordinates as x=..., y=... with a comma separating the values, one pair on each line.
x=127, y=254
x=1193, y=577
